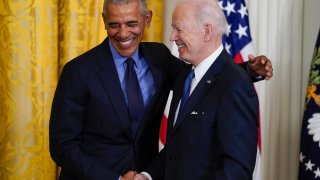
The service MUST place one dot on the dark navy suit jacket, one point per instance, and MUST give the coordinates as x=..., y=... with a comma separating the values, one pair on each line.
x=215, y=134
x=89, y=130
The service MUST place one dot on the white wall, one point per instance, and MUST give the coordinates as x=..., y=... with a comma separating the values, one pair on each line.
x=168, y=9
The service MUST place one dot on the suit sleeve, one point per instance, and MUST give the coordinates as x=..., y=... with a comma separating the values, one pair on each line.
x=237, y=128
x=244, y=66
x=175, y=66
x=66, y=126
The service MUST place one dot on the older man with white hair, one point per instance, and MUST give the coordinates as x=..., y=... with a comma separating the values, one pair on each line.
x=212, y=125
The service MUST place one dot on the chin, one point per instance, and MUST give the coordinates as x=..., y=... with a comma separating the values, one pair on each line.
x=182, y=57
x=127, y=52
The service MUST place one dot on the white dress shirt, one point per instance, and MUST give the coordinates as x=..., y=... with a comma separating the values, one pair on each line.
x=199, y=72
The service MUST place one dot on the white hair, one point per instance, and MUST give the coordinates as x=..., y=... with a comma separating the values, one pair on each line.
x=208, y=11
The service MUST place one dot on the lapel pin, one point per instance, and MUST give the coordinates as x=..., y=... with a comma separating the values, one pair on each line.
x=210, y=81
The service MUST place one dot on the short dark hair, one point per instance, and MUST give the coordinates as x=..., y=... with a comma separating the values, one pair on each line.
x=142, y=5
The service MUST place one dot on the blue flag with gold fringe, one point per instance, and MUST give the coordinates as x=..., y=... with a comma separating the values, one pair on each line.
x=309, y=167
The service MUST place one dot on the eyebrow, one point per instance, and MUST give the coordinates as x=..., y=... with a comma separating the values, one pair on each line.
x=112, y=23
x=129, y=22
x=178, y=26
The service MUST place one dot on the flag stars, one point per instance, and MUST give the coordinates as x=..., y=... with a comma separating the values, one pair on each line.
x=221, y=5
x=228, y=47
x=230, y=8
x=243, y=11
x=317, y=173
x=237, y=33
x=309, y=165
x=301, y=157
x=241, y=31
x=228, y=30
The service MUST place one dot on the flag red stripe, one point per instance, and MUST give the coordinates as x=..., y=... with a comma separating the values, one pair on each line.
x=238, y=58
x=163, y=129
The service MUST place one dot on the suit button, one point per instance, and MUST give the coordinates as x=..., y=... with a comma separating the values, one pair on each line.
x=170, y=157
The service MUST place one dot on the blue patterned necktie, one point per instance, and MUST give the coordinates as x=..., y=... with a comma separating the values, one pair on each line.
x=186, y=89
x=134, y=95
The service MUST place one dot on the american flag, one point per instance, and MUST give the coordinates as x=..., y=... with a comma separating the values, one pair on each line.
x=310, y=132
x=238, y=42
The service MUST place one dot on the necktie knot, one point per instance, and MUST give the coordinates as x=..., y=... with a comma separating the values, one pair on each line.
x=130, y=63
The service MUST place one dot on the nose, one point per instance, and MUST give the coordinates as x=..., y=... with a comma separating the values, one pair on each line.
x=173, y=36
x=123, y=32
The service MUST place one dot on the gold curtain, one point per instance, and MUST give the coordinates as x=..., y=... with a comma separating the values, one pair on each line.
x=37, y=37
x=155, y=32
x=28, y=76
x=80, y=27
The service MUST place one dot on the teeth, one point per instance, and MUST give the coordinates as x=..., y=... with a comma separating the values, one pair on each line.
x=179, y=46
x=125, y=42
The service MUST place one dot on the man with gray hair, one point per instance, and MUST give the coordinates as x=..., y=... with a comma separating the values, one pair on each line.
x=109, y=101
x=212, y=128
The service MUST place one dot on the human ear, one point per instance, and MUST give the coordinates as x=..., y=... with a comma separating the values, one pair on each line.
x=208, y=32
x=148, y=18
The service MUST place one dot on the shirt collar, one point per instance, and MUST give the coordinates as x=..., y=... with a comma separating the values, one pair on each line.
x=119, y=59
x=203, y=67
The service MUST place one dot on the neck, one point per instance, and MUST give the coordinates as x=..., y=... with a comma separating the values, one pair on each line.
x=210, y=48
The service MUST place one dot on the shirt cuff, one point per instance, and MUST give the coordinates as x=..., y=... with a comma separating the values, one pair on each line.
x=147, y=175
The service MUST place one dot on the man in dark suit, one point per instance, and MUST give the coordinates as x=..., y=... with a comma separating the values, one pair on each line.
x=212, y=127
x=96, y=130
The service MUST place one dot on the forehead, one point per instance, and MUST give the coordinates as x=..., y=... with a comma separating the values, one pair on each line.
x=182, y=16
x=123, y=11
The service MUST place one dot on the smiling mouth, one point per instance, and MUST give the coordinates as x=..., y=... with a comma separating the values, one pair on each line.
x=126, y=43
x=180, y=45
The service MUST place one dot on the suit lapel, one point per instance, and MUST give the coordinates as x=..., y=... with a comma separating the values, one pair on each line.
x=110, y=81
x=205, y=84
x=154, y=63
x=177, y=94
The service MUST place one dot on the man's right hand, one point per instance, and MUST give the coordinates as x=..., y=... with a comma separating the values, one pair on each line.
x=128, y=176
